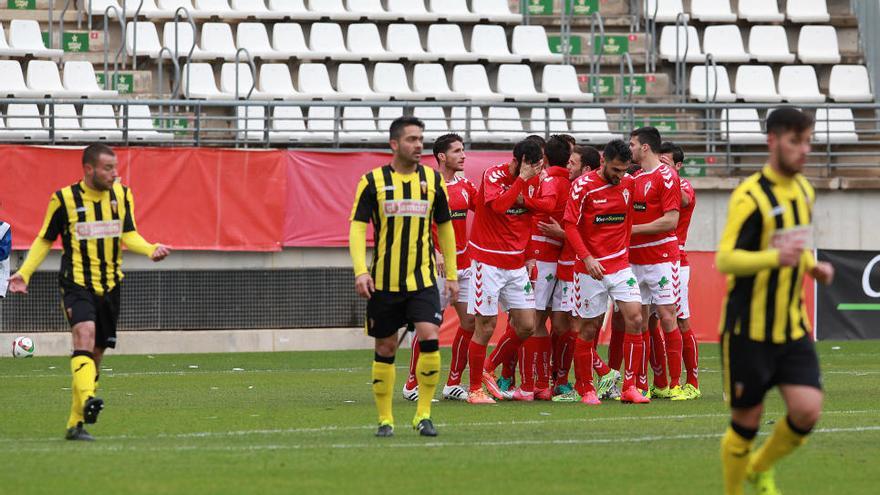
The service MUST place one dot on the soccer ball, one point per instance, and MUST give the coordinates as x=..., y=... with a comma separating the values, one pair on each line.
x=23, y=347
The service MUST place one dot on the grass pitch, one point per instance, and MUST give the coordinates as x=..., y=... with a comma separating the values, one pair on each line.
x=304, y=422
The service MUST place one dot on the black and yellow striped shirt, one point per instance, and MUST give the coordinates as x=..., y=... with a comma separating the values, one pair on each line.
x=765, y=302
x=402, y=208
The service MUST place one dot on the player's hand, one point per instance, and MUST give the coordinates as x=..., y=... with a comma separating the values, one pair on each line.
x=665, y=160
x=552, y=229
x=529, y=170
x=364, y=285
x=790, y=255
x=160, y=253
x=530, y=265
x=17, y=285
x=823, y=272
x=441, y=265
x=451, y=290
x=594, y=268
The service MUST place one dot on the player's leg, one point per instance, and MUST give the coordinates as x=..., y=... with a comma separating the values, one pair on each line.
x=690, y=349
x=624, y=289
x=587, y=329
x=483, y=304
x=736, y=446
x=615, y=346
x=81, y=310
x=560, y=327
x=539, y=345
x=423, y=309
x=519, y=297
x=386, y=313
x=411, y=386
x=463, y=336
x=644, y=275
x=657, y=355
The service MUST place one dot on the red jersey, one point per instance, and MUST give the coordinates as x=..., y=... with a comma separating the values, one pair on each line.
x=565, y=265
x=462, y=196
x=684, y=219
x=548, y=202
x=500, y=232
x=598, y=220
x=657, y=192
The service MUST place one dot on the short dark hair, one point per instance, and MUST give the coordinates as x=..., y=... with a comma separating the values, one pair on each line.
x=94, y=151
x=786, y=118
x=568, y=138
x=648, y=135
x=558, y=151
x=670, y=147
x=538, y=139
x=444, y=142
x=617, y=150
x=528, y=150
x=399, y=123
x=590, y=156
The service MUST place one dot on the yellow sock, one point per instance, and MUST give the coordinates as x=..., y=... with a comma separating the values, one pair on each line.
x=781, y=443
x=383, y=389
x=428, y=376
x=76, y=408
x=82, y=367
x=734, y=459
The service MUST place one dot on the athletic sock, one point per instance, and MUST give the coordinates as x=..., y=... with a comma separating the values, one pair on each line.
x=615, y=347
x=633, y=354
x=82, y=367
x=411, y=380
x=567, y=356
x=784, y=439
x=428, y=373
x=528, y=367
x=599, y=366
x=459, y=356
x=507, y=349
x=642, y=382
x=476, y=356
x=383, y=385
x=542, y=364
x=583, y=366
x=658, y=357
x=691, y=354
x=673, y=356
x=736, y=444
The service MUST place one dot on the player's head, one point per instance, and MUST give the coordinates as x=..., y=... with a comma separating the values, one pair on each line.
x=557, y=151
x=568, y=138
x=449, y=152
x=538, y=139
x=99, y=166
x=789, y=131
x=527, y=151
x=672, y=155
x=583, y=159
x=617, y=159
x=644, y=143
x=406, y=139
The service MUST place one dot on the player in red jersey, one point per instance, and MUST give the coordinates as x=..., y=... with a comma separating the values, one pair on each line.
x=499, y=237
x=654, y=255
x=598, y=221
x=461, y=193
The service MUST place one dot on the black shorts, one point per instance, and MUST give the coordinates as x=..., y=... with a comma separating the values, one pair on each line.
x=81, y=304
x=387, y=311
x=752, y=368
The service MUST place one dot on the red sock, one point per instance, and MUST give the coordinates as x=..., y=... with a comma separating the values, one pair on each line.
x=567, y=357
x=633, y=354
x=601, y=368
x=583, y=366
x=411, y=381
x=615, y=347
x=658, y=357
x=476, y=356
x=673, y=356
x=459, y=356
x=542, y=366
x=642, y=382
x=554, y=339
x=529, y=352
x=516, y=362
x=504, y=351
x=691, y=357
x=558, y=342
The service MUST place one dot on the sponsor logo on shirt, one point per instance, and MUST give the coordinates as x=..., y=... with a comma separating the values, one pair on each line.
x=609, y=219
x=600, y=201
x=458, y=214
x=406, y=208
x=517, y=210
x=98, y=230
x=640, y=206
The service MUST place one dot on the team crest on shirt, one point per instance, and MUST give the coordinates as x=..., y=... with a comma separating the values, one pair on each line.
x=114, y=206
x=531, y=191
x=424, y=187
x=626, y=196
x=464, y=194
x=647, y=188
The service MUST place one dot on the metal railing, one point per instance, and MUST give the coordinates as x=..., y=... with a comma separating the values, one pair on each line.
x=596, y=54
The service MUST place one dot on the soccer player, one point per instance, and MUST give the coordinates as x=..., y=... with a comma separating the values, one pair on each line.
x=402, y=199
x=654, y=254
x=672, y=156
x=598, y=221
x=765, y=329
x=450, y=156
x=94, y=218
x=499, y=237
x=5, y=252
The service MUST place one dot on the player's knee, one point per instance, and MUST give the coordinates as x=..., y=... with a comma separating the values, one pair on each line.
x=386, y=348
x=635, y=322
x=803, y=419
x=84, y=335
x=468, y=323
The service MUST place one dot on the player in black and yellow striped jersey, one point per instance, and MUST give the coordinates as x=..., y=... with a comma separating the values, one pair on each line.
x=766, y=339
x=402, y=200
x=94, y=218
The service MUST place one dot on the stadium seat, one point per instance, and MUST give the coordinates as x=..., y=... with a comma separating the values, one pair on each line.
x=363, y=39
x=490, y=42
x=314, y=80
x=725, y=43
x=245, y=82
x=288, y=38
x=197, y=81
x=435, y=121
x=217, y=8
x=515, y=82
x=390, y=79
x=99, y=123
x=452, y=10
x=254, y=8
x=471, y=79
x=359, y=126
x=560, y=82
x=167, y=8
x=798, y=84
x=140, y=125
x=371, y=10
x=250, y=123
x=850, y=83
x=429, y=81
x=320, y=123
x=276, y=83
x=43, y=77
x=387, y=116
x=326, y=37
x=23, y=123
x=756, y=11
x=665, y=10
x=495, y=11
x=288, y=125
x=25, y=37
x=65, y=121
x=505, y=125
x=743, y=124
x=149, y=9
x=79, y=77
x=675, y=46
x=531, y=43
x=755, y=83
x=403, y=40
x=769, y=44
x=807, y=11
x=147, y=39
x=180, y=39
x=818, y=45
x=217, y=42
x=352, y=81
x=446, y=42
x=590, y=125
x=475, y=125
x=98, y=7
x=835, y=126
x=293, y=9
x=411, y=11
x=252, y=36
x=558, y=123
x=5, y=49
x=12, y=83
x=712, y=11
x=703, y=84
x=334, y=9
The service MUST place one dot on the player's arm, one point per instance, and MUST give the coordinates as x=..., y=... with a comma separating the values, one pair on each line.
x=133, y=239
x=365, y=204
x=445, y=232
x=737, y=254
x=500, y=200
x=545, y=203
x=54, y=224
x=573, y=210
x=686, y=194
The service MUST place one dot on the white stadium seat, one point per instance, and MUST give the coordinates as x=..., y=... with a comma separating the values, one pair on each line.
x=818, y=45
x=497, y=11
x=43, y=78
x=665, y=10
x=288, y=38
x=25, y=37
x=179, y=38
x=252, y=36
x=411, y=10
x=476, y=125
x=254, y=8
x=590, y=125
x=23, y=123
x=755, y=83
x=490, y=42
x=245, y=82
x=471, y=79
x=352, y=81
x=756, y=11
x=140, y=125
x=147, y=39
x=197, y=81
x=770, y=44
x=370, y=9
x=835, y=125
x=167, y=8
x=531, y=43
x=359, y=126
x=217, y=42
x=390, y=79
x=807, y=11
x=326, y=37
x=288, y=125
x=276, y=83
x=725, y=43
x=98, y=7
x=99, y=123
x=5, y=49
x=560, y=82
x=334, y=9
x=64, y=119
x=712, y=11
x=850, y=83
x=294, y=9
x=703, y=84
x=403, y=40
x=12, y=83
x=744, y=126
x=149, y=9
x=320, y=123
x=216, y=8
x=558, y=123
x=364, y=40
x=516, y=82
x=675, y=45
x=505, y=125
x=798, y=84
x=452, y=10
x=387, y=116
x=446, y=42
x=435, y=121
x=250, y=123
x=429, y=81
x=79, y=78
x=314, y=80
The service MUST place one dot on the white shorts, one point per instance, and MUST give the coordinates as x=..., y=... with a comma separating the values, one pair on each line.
x=562, y=297
x=544, y=284
x=464, y=287
x=657, y=282
x=491, y=285
x=591, y=296
x=684, y=306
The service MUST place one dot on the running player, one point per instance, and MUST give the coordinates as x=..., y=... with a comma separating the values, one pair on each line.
x=766, y=339
x=94, y=217
x=402, y=199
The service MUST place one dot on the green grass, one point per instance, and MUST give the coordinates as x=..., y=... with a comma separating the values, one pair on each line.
x=303, y=423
